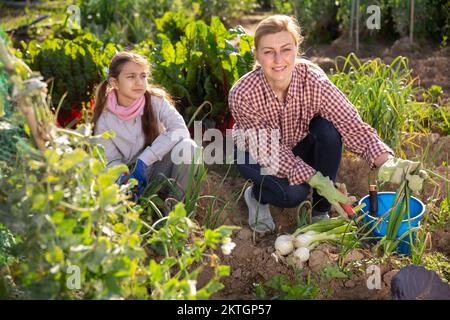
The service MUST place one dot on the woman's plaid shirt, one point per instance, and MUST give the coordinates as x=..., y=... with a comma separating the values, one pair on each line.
x=258, y=114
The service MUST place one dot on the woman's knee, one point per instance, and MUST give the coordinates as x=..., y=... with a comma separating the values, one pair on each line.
x=247, y=166
x=294, y=195
x=325, y=132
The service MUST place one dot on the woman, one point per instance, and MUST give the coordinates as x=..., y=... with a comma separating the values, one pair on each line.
x=294, y=98
x=151, y=136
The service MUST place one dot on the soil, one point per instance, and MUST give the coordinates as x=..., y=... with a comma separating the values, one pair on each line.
x=441, y=241
x=252, y=261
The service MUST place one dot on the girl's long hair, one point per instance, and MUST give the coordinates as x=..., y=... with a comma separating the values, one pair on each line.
x=150, y=128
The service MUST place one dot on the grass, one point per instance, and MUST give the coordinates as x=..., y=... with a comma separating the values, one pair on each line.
x=382, y=93
x=217, y=215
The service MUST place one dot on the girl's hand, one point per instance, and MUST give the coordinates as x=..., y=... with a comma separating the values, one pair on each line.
x=123, y=179
x=139, y=175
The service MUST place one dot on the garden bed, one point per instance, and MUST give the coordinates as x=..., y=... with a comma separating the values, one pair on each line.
x=40, y=215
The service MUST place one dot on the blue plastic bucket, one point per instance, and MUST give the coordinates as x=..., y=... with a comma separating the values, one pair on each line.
x=385, y=203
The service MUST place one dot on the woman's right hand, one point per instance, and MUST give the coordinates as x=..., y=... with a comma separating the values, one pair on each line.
x=325, y=187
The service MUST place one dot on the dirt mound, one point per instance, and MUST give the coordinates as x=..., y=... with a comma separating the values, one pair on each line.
x=251, y=262
x=402, y=47
x=434, y=69
x=441, y=240
x=354, y=172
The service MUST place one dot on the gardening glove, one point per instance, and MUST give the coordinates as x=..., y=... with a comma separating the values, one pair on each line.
x=397, y=170
x=415, y=181
x=343, y=189
x=139, y=175
x=123, y=179
x=326, y=189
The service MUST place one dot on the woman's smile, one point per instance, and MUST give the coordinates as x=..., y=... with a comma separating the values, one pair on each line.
x=279, y=69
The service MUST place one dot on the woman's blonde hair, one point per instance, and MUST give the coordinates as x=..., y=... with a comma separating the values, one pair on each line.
x=278, y=23
x=149, y=123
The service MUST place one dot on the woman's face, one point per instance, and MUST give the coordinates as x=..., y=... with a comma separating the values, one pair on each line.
x=276, y=54
x=131, y=83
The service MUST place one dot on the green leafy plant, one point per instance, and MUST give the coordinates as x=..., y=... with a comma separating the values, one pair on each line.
x=165, y=186
x=80, y=236
x=122, y=21
x=74, y=66
x=327, y=20
x=444, y=41
x=173, y=25
x=431, y=17
x=184, y=245
x=426, y=116
x=127, y=22
x=318, y=19
x=7, y=241
x=439, y=263
x=280, y=287
x=433, y=94
x=442, y=218
x=282, y=6
x=223, y=9
x=333, y=272
x=202, y=66
x=4, y=88
x=64, y=224
x=387, y=26
x=7, y=259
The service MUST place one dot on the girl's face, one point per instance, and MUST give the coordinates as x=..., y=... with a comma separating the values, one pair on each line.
x=131, y=83
x=276, y=54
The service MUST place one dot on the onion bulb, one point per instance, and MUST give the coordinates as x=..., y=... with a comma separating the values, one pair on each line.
x=303, y=240
x=284, y=244
x=301, y=254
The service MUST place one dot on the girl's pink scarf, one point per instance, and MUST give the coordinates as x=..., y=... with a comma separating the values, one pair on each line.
x=124, y=113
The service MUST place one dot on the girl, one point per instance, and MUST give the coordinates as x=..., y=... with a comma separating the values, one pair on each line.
x=151, y=135
x=295, y=99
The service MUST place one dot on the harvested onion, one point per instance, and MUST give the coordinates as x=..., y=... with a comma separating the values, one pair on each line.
x=284, y=244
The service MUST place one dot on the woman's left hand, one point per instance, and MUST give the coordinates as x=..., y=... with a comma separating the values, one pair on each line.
x=395, y=170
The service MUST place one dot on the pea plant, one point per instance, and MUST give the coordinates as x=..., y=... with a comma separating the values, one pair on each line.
x=63, y=204
x=200, y=64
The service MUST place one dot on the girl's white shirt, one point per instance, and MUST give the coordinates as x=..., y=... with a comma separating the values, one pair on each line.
x=126, y=147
